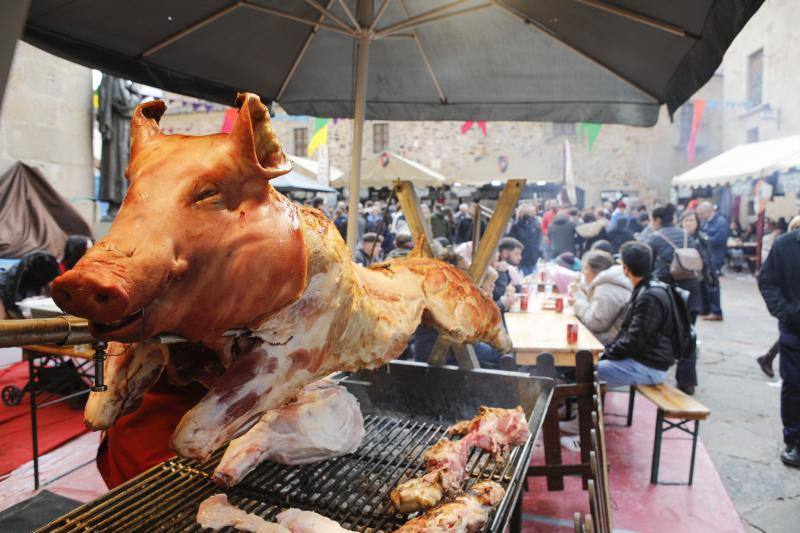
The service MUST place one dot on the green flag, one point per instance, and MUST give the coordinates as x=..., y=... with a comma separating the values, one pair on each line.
x=591, y=130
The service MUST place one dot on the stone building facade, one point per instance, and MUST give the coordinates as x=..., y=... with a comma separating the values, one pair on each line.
x=46, y=122
x=762, y=78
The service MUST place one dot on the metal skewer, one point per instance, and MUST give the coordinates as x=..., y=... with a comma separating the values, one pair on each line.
x=70, y=330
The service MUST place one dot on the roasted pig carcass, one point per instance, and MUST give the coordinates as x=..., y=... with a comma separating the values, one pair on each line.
x=204, y=244
x=323, y=422
x=215, y=512
x=494, y=430
x=466, y=514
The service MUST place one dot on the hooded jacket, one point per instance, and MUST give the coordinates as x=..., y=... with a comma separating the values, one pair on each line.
x=601, y=306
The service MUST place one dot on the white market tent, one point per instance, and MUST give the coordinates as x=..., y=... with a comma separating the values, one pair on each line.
x=500, y=167
x=381, y=170
x=310, y=168
x=751, y=160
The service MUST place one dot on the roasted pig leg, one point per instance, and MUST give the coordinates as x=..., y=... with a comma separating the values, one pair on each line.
x=466, y=514
x=323, y=422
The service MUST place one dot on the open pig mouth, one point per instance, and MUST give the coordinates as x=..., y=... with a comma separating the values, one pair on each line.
x=125, y=329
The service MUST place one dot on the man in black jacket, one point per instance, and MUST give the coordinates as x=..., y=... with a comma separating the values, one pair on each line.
x=780, y=287
x=643, y=350
x=527, y=231
x=510, y=254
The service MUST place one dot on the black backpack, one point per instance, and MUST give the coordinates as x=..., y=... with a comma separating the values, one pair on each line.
x=684, y=336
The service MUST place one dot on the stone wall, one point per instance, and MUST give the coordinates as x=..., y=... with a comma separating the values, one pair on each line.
x=775, y=28
x=46, y=121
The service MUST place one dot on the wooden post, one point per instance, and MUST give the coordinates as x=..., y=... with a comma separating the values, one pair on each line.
x=481, y=257
x=417, y=225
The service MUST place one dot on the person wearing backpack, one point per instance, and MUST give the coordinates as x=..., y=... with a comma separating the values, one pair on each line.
x=645, y=346
x=678, y=260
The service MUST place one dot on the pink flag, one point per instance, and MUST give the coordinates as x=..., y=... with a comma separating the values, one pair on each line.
x=698, y=108
x=228, y=120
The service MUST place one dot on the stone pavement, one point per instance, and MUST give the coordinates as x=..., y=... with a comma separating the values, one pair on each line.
x=743, y=434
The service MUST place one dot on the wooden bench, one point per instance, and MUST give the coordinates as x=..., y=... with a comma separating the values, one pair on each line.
x=672, y=404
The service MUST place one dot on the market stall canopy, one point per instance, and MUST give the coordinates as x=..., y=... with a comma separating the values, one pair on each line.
x=33, y=216
x=310, y=168
x=381, y=170
x=549, y=60
x=751, y=160
x=295, y=181
x=501, y=167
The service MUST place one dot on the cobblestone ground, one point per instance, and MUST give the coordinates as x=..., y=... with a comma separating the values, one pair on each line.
x=743, y=434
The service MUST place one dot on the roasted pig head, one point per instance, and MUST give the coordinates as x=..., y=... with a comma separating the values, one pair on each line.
x=202, y=242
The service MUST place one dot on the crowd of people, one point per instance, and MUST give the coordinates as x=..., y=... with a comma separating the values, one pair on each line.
x=638, y=278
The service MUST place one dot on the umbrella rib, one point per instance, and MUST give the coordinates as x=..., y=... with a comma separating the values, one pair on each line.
x=638, y=17
x=381, y=11
x=550, y=33
x=296, y=18
x=349, y=13
x=300, y=55
x=190, y=29
x=409, y=24
x=422, y=16
x=330, y=15
x=415, y=36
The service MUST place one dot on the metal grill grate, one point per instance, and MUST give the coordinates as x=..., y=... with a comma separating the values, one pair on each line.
x=353, y=490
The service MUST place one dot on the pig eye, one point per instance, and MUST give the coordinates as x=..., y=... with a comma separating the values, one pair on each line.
x=206, y=193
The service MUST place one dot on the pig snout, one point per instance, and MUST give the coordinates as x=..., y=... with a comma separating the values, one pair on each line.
x=94, y=296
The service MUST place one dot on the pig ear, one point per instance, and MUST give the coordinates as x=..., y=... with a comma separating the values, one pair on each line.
x=253, y=135
x=144, y=122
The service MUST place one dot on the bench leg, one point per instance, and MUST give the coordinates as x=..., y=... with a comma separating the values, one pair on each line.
x=694, y=450
x=631, y=398
x=657, y=448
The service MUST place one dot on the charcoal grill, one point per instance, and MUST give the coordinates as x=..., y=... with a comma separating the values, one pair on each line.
x=407, y=407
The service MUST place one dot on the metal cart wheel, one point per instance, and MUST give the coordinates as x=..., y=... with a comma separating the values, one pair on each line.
x=11, y=395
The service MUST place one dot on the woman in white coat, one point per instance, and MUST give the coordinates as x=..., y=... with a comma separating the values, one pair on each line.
x=601, y=300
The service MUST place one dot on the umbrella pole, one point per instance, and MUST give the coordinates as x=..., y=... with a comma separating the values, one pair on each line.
x=360, y=104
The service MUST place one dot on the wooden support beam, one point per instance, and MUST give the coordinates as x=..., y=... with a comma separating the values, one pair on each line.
x=417, y=225
x=481, y=257
x=494, y=231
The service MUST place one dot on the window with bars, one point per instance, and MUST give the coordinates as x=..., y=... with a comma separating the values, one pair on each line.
x=380, y=137
x=755, y=77
x=300, y=141
x=563, y=128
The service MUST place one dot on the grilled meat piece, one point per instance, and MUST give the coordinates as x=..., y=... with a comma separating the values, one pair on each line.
x=494, y=429
x=323, y=422
x=299, y=521
x=466, y=514
x=215, y=512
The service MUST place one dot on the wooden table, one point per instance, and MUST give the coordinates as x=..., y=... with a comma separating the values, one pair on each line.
x=539, y=331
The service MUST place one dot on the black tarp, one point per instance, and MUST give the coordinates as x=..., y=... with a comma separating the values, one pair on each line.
x=33, y=216
x=549, y=60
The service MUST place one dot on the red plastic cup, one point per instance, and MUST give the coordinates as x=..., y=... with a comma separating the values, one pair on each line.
x=560, y=304
x=523, y=301
x=572, y=333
